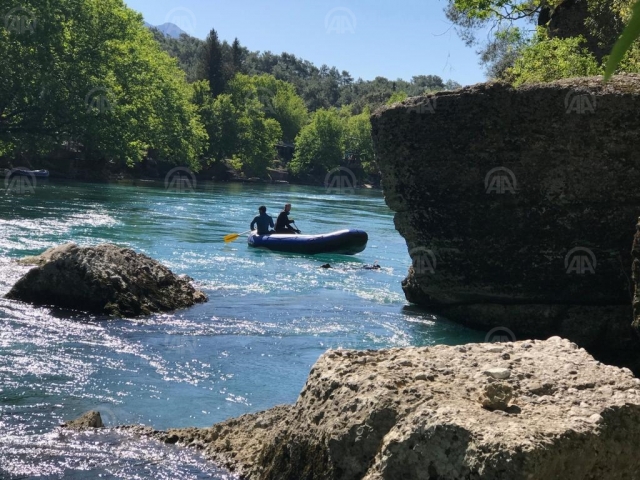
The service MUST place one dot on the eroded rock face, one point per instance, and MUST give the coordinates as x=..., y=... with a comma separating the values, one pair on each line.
x=104, y=279
x=417, y=413
x=518, y=205
x=636, y=278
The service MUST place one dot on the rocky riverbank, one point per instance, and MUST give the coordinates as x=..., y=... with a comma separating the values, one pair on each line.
x=518, y=206
x=522, y=410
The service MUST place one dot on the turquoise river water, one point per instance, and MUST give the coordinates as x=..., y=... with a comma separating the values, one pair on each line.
x=269, y=317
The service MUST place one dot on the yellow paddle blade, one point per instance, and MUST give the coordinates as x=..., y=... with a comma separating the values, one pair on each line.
x=231, y=238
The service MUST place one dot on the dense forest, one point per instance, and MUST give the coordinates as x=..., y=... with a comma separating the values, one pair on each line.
x=323, y=87
x=86, y=87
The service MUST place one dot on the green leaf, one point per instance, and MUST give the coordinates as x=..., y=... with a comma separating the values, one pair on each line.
x=629, y=35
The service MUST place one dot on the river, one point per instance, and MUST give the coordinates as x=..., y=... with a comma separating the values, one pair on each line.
x=269, y=317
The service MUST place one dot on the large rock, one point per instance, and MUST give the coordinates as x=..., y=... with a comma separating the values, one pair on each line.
x=417, y=413
x=635, y=251
x=518, y=205
x=86, y=421
x=103, y=279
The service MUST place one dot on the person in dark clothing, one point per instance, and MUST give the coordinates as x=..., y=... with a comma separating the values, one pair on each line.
x=263, y=221
x=283, y=224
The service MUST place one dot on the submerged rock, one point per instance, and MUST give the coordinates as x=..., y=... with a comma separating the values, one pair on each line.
x=104, y=279
x=518, y=206
x=414, y=413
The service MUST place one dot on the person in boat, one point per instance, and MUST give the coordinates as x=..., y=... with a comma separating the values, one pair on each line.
x=263, y=222
x=283, y=224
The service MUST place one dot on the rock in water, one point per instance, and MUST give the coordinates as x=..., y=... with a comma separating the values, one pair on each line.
x=86, y=421
x=104, y=279
x=413, y=413
x=518, y=206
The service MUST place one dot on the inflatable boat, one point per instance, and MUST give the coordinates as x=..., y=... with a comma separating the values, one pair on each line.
x=23, y=172
x=346, y=242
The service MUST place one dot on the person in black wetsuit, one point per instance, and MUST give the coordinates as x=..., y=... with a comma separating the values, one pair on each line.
x=263, y=222
x=283, y=224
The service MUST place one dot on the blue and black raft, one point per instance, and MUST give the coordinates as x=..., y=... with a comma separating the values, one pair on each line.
x=345, y=242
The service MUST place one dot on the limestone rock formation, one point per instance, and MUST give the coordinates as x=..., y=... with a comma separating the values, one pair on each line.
x=636, y=278
x=103, y=279
x=415, y=413
x=518, y=205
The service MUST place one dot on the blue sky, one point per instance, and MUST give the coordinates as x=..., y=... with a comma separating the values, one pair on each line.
x=368, y=38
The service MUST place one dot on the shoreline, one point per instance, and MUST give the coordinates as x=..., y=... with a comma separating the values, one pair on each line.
x=130, y=179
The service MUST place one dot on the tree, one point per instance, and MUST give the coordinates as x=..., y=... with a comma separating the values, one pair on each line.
x=626, y=51
x=397, y=97
x=281, y=103
x=319, y=146
x=547, y=59
x=212, y=64
x=512, y=25
x=237, y=57
x=106, y=84
x=358, y=142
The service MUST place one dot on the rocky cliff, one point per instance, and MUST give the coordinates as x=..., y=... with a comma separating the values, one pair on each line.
x=518, y=205
x=525, y=410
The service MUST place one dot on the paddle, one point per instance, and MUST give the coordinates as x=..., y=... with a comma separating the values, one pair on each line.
x=233, y=236
x=298, y=230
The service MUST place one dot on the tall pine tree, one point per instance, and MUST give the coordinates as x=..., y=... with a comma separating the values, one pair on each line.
x=237, y=57
x=212, y=64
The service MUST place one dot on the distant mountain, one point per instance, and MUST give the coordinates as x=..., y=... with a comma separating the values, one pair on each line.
x=169, y=29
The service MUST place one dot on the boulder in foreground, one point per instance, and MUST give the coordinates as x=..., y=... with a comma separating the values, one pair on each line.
x=104, y=279
x=550, y=411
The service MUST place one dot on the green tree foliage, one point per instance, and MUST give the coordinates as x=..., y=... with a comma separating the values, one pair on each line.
x=358, y=141
x=626, y=51
x=322, y=87
x=187, y=50
x=212, y=66
x=238, y=57
x=319, y=146
x=508, y=20
x=281, y=103
x=551, y=59
x=237, y=125
x=397, y=97
x=89, y=70
x=335, y=138
x=598, y=23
